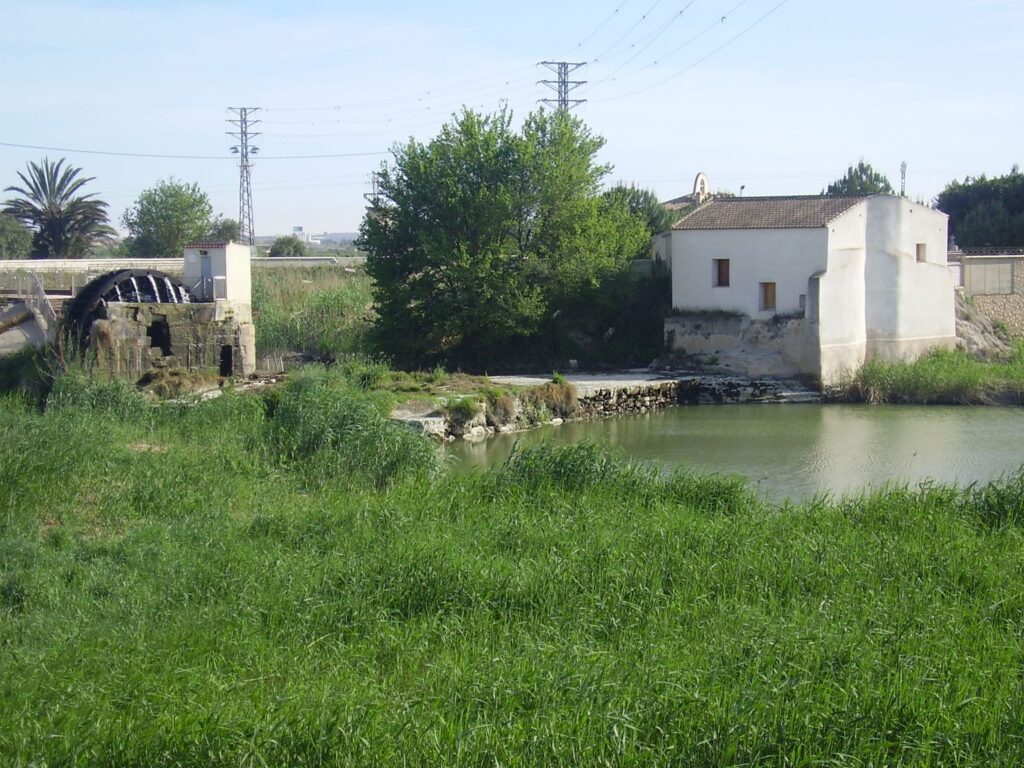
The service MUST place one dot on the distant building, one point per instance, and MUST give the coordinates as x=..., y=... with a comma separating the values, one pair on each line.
x=851, y=279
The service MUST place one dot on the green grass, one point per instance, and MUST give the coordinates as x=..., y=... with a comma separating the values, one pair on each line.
x=322, y=311
x=257, y=581
x=945, y=376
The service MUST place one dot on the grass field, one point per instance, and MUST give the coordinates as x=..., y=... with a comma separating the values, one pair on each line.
x=294, y=580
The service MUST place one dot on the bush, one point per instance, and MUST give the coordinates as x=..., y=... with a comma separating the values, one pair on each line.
x=77, y=389
x=576, y=467
x=461, y=411
x=327, y=429
x=558, y=399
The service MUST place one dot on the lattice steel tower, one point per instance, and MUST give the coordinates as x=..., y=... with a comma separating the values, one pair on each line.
x=563, y=85
x=243, y=122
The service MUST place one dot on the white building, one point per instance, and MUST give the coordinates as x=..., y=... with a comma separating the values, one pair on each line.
x=868, y=276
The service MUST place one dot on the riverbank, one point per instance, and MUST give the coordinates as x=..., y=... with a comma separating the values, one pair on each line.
x=945, y=377
x=291, y=579
x=505, y=404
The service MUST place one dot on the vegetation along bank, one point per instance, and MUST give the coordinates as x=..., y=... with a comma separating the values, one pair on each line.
x=293, y=579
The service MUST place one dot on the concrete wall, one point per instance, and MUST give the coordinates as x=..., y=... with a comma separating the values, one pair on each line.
x=229, y=282
x=786, y=257
x=995, y=285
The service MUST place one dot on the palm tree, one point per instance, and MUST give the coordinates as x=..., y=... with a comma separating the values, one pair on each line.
x=64, y=223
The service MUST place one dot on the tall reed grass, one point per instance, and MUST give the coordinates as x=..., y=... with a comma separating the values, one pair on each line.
x=945, y=376
x=321, y=311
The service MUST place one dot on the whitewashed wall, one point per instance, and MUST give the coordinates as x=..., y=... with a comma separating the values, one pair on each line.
x=786, y=257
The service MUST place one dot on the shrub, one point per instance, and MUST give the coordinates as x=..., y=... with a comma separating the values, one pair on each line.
x=461, y=411
x=77, y=389
x=500, y=407
x=327, y=429
x=576, y=468
x=556, y=398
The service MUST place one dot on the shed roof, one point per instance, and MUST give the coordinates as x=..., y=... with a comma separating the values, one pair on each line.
x=803, y=212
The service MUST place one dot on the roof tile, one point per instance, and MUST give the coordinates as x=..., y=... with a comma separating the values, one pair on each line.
x=805, y=212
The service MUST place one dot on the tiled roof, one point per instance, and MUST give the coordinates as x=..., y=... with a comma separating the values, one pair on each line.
x=806, y=212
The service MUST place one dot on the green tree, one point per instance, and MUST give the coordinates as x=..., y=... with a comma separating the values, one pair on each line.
x=483, y=232
x=225, y=229
x=64, y=223
x=289, y=245
x=860, y=179
x=645, y=204
x=15, y=238
x=984, y=212
x=165, y=218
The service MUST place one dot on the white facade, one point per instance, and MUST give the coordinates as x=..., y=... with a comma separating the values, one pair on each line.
x=871, y=281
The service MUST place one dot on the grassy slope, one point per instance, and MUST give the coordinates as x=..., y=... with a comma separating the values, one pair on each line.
x=187, y=589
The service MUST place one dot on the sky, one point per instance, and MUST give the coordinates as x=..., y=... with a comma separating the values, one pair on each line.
x=774, y=96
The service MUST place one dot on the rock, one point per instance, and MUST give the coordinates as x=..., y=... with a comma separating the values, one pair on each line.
x=976, y=334
x=475, y=434
x=435, y=426
x=557, y=422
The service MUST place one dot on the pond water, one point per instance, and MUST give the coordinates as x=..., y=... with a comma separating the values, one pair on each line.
x=797, y=451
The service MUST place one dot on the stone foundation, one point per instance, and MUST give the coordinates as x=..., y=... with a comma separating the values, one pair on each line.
x=135, y=339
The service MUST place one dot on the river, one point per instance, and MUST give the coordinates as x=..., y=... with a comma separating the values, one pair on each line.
x=797, y=451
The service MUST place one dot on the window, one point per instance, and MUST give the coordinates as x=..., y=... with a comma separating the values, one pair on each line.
x=922, y=253
x=803, y=302
x=767, y=297
x=720, y=276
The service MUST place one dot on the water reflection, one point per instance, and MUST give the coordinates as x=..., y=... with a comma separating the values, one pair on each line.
x=798, y=451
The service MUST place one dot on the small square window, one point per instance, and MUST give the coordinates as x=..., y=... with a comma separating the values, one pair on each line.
x=720, y=276
x=767, y=297
x=922, y=253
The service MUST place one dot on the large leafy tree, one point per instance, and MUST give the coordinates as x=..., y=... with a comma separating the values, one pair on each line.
x=166, y=217
x=65, y=224
x=483, y=232
x=984, y=212
x=15, y=238
x=860, y=179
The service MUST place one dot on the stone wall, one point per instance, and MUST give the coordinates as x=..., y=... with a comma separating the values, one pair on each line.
x=737, y=344
x=135, y=339
x=1005, y=308
x=691, y=390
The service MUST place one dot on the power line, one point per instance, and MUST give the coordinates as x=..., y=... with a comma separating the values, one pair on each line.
x=626, y=34
x=702, y=59
x=183, y=157
x=648, y=42
x=601, y=26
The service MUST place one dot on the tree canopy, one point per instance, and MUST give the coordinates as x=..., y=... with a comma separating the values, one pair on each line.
x=64, y=223
x=15, y=238
x=165, y=218
x=645, y=204
x=225, y=229
x=484, y=231
x=289, y=245
x=860, y=179
x=986, y=213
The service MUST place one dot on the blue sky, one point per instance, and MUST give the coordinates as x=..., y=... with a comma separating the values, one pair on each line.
x=782, y=109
